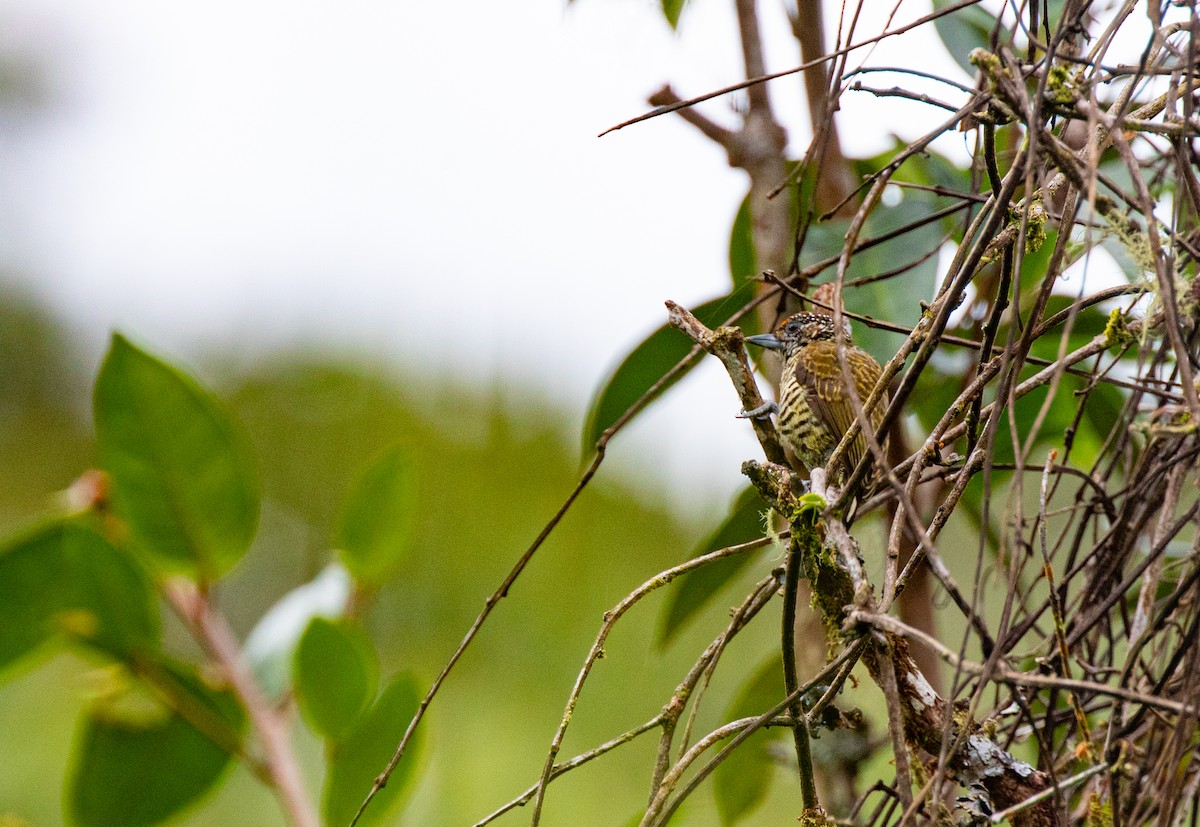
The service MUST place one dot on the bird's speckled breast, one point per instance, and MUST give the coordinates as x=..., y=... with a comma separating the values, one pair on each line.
x=799, y=428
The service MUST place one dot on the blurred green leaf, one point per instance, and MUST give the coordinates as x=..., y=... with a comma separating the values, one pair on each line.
x=65, y=578
x=643, y=367
x=743, y=260
x=1103, y=404
x=1089, y=323
x=1035, y=264
x=1055, y=10
x=691, y=592
x=379, y=518
x=964, y=30
x=929, y=168
x=182, y=476
x=973, y=502
x=743, y=257
x=356, y=761
x=271, y=645
x=1104, y=408
x=671, y=10
x=741, y=781
x=897, y=298
x=1059, y=416
x=141, y=766
x=335, y=675
x=940, y=384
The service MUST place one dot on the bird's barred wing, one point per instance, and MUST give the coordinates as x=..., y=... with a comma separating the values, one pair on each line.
x=825, y=390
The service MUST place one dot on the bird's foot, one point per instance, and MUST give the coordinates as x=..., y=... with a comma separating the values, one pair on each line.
x=765, y=409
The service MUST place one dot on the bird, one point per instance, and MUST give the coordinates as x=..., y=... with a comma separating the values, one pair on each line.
x=815, y=407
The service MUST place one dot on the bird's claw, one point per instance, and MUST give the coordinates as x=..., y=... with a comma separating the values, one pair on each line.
x=765, y=409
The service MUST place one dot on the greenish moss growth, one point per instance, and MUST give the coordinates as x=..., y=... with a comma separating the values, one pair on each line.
x=1116, y=330
x=1132, y=237
x=1033, y=216
x=985, y=61
x=831, y=588
x=1099, y=812
x=1035, y=226
x=1060, y=85
x=728, y=337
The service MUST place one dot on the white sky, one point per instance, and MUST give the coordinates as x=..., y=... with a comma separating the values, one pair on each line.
x=419, y=181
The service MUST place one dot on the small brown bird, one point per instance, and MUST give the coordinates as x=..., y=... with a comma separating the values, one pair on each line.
x=815, y=408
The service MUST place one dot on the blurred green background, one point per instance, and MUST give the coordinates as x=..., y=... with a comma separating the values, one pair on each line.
x=492, y=468
x=493, y=461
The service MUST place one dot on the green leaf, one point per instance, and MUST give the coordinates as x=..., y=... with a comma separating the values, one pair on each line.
x=182, y=476
x=1051, y=434
x=65, y=578
x=1035, y=264
x=137, y=763
x=897, y=298
x=1089, y=323
x=1104, y=406
x=379, y=518
x=671, y=10
x=693, y=591
x=743, y=257
x=356, y=761
x=964, y=30
x=1049, y=23
x=939, y=385
x=930, y=168
x=741, y=781
x=743, y=260
x=271, y=645
x=335, y=676
x=644, y=366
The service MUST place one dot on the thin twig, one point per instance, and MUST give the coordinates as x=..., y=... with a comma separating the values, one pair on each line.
x=597, y=651
x=214, y=634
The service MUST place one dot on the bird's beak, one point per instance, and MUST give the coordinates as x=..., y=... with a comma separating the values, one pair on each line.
x=768, y=340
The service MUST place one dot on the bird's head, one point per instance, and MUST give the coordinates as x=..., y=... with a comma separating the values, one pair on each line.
x=795, y=332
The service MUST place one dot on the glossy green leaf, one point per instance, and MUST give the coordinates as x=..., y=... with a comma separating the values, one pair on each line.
x=335, y=676
x=691, y=592
x=182, y=476
x=671, y=10
x=137, y=763
x=742, y=780
x=379, y=518
x=356, y=761
x=644, y=366
x=964, y=30
x=65, y=579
